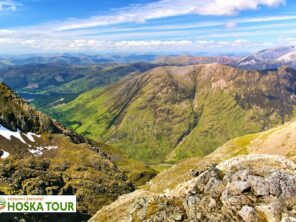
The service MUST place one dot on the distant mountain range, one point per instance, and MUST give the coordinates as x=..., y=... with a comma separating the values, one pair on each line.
x=72, y=59
x=265, y=59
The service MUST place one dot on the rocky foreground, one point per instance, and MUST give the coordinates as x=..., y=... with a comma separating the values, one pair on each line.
x=245, y=188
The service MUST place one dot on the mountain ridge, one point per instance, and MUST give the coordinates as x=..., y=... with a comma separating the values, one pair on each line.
x=185, y=97
x=41, y=157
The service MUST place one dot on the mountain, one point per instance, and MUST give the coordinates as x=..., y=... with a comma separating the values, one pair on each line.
x=274, y=53
x=269, y=59
x=250, y=178
x=40, y=157
x=195, y=60
x=171, y=113
x=289, y=59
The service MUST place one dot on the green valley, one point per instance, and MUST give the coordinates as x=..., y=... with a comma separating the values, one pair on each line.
x=170, y=113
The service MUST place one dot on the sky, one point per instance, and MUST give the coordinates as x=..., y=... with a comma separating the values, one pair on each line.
x=145, y=26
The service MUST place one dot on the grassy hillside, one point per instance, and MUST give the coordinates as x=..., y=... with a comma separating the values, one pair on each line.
x=276, y=141
x=279, y=141
x=171, y=113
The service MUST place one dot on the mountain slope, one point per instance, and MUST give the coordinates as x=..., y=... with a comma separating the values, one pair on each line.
x=274, y=53
x=173, y=113
x=194, y=60
x=18, y=114
x=290, y=57
x=279, y=141
x=192, y=188
x=40, y=157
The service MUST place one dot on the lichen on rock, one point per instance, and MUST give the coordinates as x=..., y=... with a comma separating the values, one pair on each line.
x=246, y=188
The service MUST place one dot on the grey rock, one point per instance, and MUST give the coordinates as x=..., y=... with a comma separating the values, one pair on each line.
x=248, y=214
x=238, y=187
x=244, y=193
x=259, y=186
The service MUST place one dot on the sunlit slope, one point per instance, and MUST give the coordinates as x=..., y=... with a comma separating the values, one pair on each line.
x=170, y=113
x=279, y=141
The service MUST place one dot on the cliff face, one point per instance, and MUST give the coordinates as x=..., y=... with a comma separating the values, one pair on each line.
x=171, y=113
x=40, y=157
x=15, y=113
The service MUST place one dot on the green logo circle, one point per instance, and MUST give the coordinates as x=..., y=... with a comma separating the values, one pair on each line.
x=2, y=203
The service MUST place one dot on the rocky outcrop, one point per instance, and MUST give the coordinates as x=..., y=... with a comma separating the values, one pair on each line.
x=16, y=113
x=247, y=188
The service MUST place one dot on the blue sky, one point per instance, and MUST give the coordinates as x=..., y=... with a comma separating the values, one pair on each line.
x=145, y=26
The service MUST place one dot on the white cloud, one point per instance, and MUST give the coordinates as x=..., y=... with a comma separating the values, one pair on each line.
x=80, y=34
x=287, y=40
x=7, y=5
x=268, y=19
x=223, y=7
x=230, y=25
x=6, y=32
x=60, y=45
x=169, y=8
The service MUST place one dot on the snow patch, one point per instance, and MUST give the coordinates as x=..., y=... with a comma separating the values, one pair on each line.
x=30, y=136
x=60, y=100
x=250, y=62
x=290, y=57
x=4, y=155
x=6, y=133
x=38, y=151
